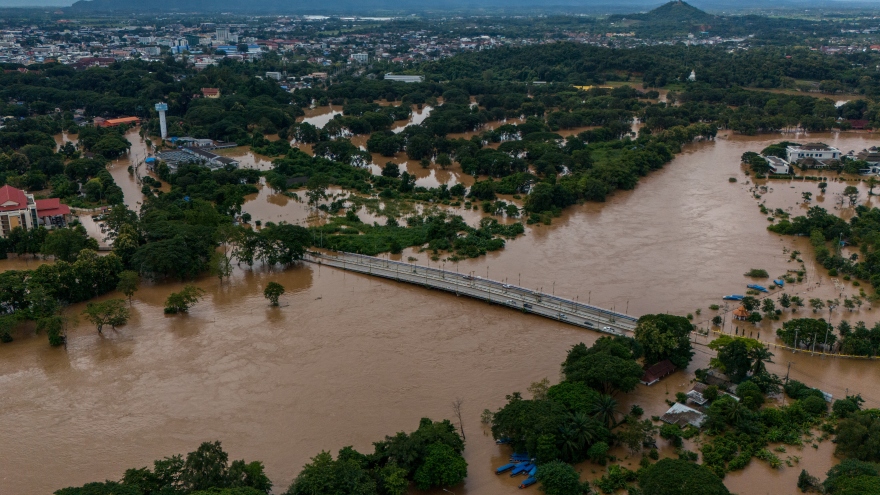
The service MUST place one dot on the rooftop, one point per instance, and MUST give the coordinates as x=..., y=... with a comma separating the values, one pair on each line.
x=12, y=199
x=682, y=415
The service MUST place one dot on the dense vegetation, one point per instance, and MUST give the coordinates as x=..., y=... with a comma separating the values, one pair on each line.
x=430, y=457
x=823, y=227
x=578, y=419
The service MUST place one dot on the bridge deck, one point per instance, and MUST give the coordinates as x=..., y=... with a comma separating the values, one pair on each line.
x=520, y=298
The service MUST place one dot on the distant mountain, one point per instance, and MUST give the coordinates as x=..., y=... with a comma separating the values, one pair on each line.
x=676, y=11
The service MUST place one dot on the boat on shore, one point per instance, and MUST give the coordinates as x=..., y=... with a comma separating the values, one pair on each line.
x=734, y=297
x=531, y=480
x=759, y=288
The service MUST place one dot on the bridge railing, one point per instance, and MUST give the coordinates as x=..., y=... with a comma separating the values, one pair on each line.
x=562, y=302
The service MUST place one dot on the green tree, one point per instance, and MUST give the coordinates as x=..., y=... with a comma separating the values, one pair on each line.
x=734, y=356
x=442, y=466
x=750, y=303
x=391, y=170
x=605, y=410
x=665, y=337
x=65, y=244
x=220, y=265
x=858, y=436
x=750, y=395
x=851, y=193
x=608, y=366
x=769, y=308
x=785, y=301
x=180, y=302
x=559, y=478
x=316, y=189
x=273, y=291
x=852, y=477
x=110, y=312
x=678, y=477
x=128, y=283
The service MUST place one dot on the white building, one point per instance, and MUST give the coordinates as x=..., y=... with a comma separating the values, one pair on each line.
x=360, y=58
x=273, y=75
x=778, y=165
x=406, y=79
x=222, y=34
x=817, y=151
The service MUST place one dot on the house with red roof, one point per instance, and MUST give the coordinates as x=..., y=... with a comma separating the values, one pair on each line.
x=19, y=209
x=52, y=214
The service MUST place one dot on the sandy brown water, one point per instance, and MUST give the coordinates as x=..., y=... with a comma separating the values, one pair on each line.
x=349, y=359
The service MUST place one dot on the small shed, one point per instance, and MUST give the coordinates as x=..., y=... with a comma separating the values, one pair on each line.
x=741, y=314
x=657, y=372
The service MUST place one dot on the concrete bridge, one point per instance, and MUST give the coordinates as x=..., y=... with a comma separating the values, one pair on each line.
x=519, y=298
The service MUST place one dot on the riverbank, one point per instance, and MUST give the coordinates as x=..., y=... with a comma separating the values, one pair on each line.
x=351, y=358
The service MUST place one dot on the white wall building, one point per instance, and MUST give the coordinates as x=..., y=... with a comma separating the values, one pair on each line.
x=406, y=79
x=816, y=151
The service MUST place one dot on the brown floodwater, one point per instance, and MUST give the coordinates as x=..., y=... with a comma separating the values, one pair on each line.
x=349, y=359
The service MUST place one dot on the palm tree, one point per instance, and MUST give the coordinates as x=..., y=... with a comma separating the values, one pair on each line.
x=604, y=410
x=734, y=412
x=761, y=355
x=585, y=428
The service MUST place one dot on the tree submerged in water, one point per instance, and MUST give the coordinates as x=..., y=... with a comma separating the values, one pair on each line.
x=180, y=302
x=272, y=292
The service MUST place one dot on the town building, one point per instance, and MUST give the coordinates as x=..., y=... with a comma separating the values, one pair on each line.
x=19, y=209
x=778, y=165
x=403, y=78
x=360, y=58
x=192, y=154
x=211, y=93
x=657, y=372
x=813, y=154
x=102, y=122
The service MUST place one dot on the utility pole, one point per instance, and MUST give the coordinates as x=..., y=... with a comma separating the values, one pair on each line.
x=787, y=372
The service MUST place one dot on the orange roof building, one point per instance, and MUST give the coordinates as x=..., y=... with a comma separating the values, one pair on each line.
x=211, y=92
x=740, y=313
x=116, y=122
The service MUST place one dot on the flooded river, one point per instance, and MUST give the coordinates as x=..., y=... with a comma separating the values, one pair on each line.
x=349, y=359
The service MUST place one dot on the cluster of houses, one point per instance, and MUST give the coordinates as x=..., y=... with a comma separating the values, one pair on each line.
x=20, y=209
x=810, y=155
x=821, y=156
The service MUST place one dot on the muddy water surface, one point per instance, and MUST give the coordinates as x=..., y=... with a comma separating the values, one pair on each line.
x=349, y=359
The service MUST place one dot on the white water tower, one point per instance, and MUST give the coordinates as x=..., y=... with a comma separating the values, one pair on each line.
x=163, y=128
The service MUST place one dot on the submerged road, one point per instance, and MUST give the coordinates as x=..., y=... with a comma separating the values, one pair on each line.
x=512, y=296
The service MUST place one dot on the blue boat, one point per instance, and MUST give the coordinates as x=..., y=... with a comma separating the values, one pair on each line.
x=779, y=282
x=521, y=468
x=734, y=297
x=506, y=467
x=533, y=471
x=519, y=457
x=757, y=287
x=528, y=482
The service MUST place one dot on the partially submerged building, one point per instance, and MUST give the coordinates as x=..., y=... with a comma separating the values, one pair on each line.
x=657, y=372
x=682, y=415
x=812, y=155
x=192, y=154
